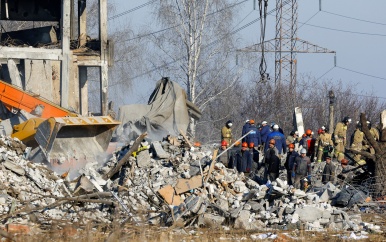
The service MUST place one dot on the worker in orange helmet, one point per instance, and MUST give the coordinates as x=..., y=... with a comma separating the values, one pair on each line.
x=255, y=156
x=224, y=158
x=243, y=159
x=289, y=163
x=271, y=161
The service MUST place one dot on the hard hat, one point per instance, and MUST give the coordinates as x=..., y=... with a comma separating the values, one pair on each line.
x=344, y=161
x=197, y=144
x=252, y=121
x=245, y=144
x=272, y=141
x=264, y=122
x=308, y=132
x=303, y=151
x=275, y=127
x=237, y=143
x=297, y=132
x=320, y=131
x=291, y=146
x=346, y=120
x=247, y=121
x=251, y=145
x=224, y=143
x=304, y=135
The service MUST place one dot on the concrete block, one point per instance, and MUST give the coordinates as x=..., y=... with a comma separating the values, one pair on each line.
x=309, y=214
x=143, y=159
x=159, y=151
x=211, y=220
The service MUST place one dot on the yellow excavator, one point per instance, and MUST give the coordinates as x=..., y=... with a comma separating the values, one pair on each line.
x=66, y=139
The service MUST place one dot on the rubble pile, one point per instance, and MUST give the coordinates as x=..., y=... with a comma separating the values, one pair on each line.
x=164, y=183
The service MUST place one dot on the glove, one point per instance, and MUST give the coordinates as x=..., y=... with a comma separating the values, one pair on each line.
x=293, y=174
x=309, y=177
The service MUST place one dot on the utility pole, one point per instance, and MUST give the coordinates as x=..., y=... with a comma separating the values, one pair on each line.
x=331, y=110
x=286, y=43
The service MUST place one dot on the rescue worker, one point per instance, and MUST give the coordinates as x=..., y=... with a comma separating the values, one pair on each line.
x=346, y=172
x=254, y=135
x=264, y=132
x=309, y=144
x=301, y=169
x=271, y=161
x=232, y=154
x=328, y=171
x=226, y=132
x=245, y=128
x=357, y=140
x=244, y=159
x=289, y=162
x=340, y=140
x=224, y=158
x=255, y=157
x=322, y=143
x=375, y=133
x=279, y=138
x=293, y=138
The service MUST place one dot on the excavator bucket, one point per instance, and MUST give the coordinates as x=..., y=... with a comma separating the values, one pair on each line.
x=69, y=141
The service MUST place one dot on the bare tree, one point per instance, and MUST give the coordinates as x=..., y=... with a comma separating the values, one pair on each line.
x=196, y=49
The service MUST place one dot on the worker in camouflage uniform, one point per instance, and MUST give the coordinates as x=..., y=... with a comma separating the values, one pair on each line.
x=226, y=132
x=322, y=143
x=357, y=143
x=340, y=140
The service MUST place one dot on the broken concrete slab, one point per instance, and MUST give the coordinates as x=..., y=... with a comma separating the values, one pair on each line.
x=159, y=151
x=168, y=194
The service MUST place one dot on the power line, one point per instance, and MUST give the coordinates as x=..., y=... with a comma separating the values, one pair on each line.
x=346, y=31
x=362, y=20
x=131, y=10
x=361, y=73
x=175, y=26
x=208, y=45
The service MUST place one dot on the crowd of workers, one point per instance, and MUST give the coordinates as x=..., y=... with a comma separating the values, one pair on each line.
x=265, y=147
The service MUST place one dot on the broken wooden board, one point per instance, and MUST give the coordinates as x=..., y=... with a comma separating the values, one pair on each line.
x=211, y=168
x=184, y=185
x=167, y=193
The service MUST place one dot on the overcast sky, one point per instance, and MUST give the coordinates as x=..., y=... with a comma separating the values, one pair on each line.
x=355, y=29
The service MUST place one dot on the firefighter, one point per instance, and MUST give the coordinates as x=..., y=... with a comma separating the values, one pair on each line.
x=357, y=143
x=322, y=143
x=293, y=138
x=375, y=133
x=226, y=132
x=340, y=140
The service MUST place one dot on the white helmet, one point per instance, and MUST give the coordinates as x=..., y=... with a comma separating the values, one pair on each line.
x=275, y=127
x=303, y=151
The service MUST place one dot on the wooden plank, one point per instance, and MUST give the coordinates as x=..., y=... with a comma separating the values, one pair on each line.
x=211, y=168
x=186, y=138
x=125, y=159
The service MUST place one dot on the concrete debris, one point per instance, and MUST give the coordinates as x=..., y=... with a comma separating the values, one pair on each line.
x=165, y=185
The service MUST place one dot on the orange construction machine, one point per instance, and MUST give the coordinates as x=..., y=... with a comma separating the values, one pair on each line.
x=62, y=135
